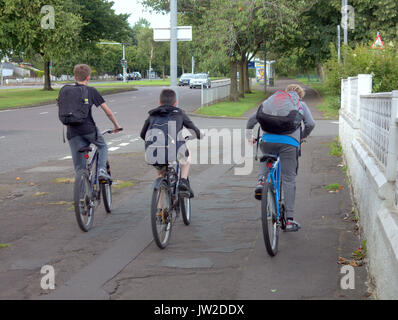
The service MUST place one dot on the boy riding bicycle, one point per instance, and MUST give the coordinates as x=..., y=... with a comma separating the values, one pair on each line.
x=162, y=133
x=81, y=128
x=285, y=145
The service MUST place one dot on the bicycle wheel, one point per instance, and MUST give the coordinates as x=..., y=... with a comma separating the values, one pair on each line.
x=268, y=219
x=106, y=190
x=161, y=215
x=185, y=206
x=84, y=207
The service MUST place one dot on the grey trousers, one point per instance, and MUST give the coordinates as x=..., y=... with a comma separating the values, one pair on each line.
x=289, y=163
x=83, y=141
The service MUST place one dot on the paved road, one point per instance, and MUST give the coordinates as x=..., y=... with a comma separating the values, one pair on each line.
x=220, y=256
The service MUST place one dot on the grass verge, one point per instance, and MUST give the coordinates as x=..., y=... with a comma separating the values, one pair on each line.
x=331, y=105
x=15, y=98
x=234, y=109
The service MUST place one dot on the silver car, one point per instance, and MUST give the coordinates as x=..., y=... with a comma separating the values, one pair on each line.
x=199, y=80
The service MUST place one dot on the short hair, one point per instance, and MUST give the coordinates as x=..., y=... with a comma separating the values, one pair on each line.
x=81, y=72
x=168, y=96
x=295, y=87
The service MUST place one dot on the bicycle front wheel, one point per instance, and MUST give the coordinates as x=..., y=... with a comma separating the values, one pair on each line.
x=161, y=215
x=83, y=199
x=269, y=219
x=106, y=190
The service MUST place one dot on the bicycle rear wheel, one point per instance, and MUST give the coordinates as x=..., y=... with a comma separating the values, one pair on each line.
x=83, y=199
x=161, y=215
x=269, y=219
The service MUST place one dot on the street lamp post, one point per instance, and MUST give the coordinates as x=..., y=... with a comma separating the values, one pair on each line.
x=123, y=61
x=173, y=45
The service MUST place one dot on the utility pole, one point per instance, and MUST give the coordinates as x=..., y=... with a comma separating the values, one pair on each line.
x=338, y=43
x=173, y=46
x=1, y=72
x=344, y=4
x=193, y=65
x=123, y=61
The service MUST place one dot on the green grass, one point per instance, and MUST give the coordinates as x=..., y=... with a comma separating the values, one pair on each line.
x=331, y=105
x=4, y=245
x=333, y=187
x=234, y=109
x=336, y=149
x=13, y=98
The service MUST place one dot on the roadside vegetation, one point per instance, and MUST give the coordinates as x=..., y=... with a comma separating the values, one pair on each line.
x=14, y=98
x=234, y=109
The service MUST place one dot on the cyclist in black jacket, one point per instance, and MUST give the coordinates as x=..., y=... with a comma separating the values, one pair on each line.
x=168, y=106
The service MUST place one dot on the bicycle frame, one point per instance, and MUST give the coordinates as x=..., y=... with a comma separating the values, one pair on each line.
x=90, y=165
x=274, y=177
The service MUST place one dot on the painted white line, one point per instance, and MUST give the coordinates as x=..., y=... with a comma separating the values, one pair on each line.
x=134, y=140
x=113, y=149
x=335, y=122
x=43, y=113
x=66, y=158
x=2, y=137
x=124, y=144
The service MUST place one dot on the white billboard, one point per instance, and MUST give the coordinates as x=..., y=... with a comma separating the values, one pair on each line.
x=184, y=33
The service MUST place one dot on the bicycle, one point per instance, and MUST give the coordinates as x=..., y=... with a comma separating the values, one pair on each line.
x=166, y=199
x=272, y=203
x=88, y=188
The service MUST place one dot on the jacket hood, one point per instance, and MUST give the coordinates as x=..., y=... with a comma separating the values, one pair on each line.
x=163, y=110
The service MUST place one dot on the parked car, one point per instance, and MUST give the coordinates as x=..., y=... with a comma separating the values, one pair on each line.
x=200, y=79
x=119, y=77
x=137, y=75
x=184, y=79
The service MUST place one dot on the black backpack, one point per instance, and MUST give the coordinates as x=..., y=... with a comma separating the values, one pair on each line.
x=160, y=144
x=73, y=104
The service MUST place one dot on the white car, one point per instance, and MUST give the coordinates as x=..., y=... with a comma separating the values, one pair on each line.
x=200, y=79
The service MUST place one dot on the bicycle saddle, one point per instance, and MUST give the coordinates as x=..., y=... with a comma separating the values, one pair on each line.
x=267, y=157
x=85, y=149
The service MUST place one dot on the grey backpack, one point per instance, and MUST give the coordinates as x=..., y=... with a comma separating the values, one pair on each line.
x=281, y=113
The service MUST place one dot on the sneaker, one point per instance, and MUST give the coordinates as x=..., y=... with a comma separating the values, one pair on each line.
x=103, y=175
x=292, y=226
x=259, y=189
x=185, y=188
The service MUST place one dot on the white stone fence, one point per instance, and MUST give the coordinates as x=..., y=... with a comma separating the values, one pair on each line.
x=368, y=135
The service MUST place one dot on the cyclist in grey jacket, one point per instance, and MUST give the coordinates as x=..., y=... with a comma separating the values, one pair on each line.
x=288, y=154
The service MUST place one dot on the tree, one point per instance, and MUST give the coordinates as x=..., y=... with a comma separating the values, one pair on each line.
x=21, y=30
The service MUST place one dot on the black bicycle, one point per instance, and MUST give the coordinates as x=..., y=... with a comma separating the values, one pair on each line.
x=88, y=188
x=167, y=203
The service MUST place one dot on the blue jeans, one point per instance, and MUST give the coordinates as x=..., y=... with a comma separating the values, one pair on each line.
x=78, y=142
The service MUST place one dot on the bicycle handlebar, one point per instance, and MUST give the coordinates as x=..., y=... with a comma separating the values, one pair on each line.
x=110, y=131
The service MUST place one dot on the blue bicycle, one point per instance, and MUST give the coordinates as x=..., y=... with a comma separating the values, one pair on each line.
x=272, y=203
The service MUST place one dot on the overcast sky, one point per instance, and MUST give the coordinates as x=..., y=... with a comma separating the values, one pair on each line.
x=137, y=11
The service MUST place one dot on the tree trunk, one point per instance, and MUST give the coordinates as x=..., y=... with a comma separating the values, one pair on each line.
x=47, y=78
x=182, y=66
x=163, y=73
x=246, y=75
x=241, y=79
x=234, y=94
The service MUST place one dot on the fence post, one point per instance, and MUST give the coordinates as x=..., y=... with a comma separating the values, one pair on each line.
x=391, y=169
x=364, y=87
x=348, y=88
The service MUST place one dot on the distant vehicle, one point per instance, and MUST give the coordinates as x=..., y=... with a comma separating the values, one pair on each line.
x=119, y=77
x=184, y=79
x=200, y=79
x=137, y=75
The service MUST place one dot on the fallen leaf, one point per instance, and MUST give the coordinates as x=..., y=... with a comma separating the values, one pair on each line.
x=39, y=194
x=353, y=264
x=341, y=187
x=342, y=260
x=18, y=178
x=341, y=295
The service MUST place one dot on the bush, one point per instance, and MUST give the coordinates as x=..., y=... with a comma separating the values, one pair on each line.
x=39, y=74
x=382, y=64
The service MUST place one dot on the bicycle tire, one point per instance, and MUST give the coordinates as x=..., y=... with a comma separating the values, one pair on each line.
x=84, y=210
x=106, y=190
x=268, y=220
x=161, y=219
x=185, y=206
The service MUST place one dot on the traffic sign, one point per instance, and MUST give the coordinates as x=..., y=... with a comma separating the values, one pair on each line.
x=378, y=44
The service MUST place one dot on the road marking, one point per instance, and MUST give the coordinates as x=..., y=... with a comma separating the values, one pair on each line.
x=66, y=158
x=109, y=143
x=43, y=112
x=124, y=144
x=2, y=137
x=114, y=148
x=335, y=122
x=134, y=140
